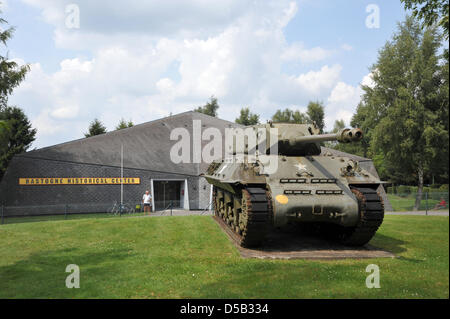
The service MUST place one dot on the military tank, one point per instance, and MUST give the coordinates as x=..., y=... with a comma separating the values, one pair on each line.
x=332, y=195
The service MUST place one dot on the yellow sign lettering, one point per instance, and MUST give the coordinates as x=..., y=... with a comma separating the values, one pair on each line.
x=79, y=181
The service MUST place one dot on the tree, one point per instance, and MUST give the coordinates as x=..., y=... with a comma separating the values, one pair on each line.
x=430, y=12
x=338, y=125
x=316, y=114
x=10, y=73
x=4, y=130
x=95, y=128
x=210, y=108
x=247, y=118
x=365, y=120
x=289, y=116
x=406, y=111
x=16, y=134
x=123, y=124
x=360, y=120
x=351, y=148
x=19, y=135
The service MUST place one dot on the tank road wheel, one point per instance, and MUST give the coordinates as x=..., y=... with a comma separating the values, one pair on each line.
x=218, y=202
x=236, y=212
x=228, y=208
x=243, y=216
x=249, y=216
x=214, y=200
x=371, y=214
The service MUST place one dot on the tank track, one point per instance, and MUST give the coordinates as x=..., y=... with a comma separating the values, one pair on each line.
x=371, y=210
x=256, y=210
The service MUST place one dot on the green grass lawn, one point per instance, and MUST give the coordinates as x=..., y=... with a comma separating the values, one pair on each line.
x=190, y=257
x=41, y=218
x=403, y=203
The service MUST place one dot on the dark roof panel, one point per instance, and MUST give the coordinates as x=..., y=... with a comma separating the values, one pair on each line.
x=146, y=146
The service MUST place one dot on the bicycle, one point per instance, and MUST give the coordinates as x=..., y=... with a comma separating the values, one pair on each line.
x=127, y=209
x=118, y=209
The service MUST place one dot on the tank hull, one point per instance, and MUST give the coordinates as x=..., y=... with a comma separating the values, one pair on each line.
x=308, y=190
x=278, y=176
x=304, y=189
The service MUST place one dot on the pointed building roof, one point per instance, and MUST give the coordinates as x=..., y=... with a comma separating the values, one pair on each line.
x=146, y=146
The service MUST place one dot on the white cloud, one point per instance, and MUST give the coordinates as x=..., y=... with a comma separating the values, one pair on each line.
x=134, y=19
x=3, y=5
x=165, y=85
x=288, y=14
x=368, y=81
x=316, y=82
x=346, y=47
x=65, y=112
x=342, y=103
x=297, y=52
x=140, y=70
x=46, y=125
x=342, y=93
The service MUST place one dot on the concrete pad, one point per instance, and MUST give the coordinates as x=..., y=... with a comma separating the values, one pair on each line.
x=292, y=245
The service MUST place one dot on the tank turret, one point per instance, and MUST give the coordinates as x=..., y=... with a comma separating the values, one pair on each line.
x=304, y=139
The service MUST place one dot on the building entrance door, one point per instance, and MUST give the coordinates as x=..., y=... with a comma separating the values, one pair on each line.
x=167, y=192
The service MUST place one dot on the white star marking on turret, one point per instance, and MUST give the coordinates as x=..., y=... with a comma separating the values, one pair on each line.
x=300, y=167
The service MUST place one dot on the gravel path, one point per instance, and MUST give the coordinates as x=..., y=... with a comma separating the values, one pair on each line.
x=420, y=213
x=182, y=213
x=209, y=213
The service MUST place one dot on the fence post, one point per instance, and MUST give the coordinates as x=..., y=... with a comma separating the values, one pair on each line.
x=171, y=205
x=426, y=204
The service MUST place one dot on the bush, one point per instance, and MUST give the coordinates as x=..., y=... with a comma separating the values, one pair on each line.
x=434, y=191
x=403, y=189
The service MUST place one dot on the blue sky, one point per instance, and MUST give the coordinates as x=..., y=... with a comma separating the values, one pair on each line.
x=142, y=60
x=331, y=24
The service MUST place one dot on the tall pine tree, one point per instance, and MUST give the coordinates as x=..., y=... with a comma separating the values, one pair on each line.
x=247, y=118
x=95, y=128
x=210, y=108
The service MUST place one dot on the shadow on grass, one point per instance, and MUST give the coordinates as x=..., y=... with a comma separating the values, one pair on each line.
x=43, y=275
x=290, y=241
x=394, y=245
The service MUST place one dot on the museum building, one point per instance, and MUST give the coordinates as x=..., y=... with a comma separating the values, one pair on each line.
x=84, y=176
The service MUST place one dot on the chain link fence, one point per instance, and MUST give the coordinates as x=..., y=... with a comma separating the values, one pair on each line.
x=37, y=213
x=30, y=213
x=431, y=201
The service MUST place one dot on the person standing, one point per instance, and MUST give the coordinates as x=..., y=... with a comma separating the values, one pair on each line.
x=147, y=201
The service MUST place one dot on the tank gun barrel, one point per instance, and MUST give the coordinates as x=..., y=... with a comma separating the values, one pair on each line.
x=345, y=135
